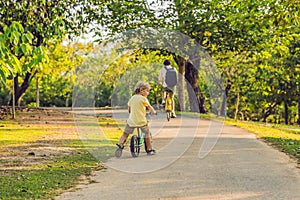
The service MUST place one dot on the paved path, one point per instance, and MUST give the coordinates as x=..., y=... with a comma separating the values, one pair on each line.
x=238, y=167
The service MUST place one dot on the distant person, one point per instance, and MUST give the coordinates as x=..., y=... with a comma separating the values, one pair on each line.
x=169, y=102
x=168, y=80
x=137, y=116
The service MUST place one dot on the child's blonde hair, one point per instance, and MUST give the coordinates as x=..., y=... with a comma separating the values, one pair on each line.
x=141, y=86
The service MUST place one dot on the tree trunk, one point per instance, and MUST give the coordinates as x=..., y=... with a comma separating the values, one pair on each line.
x=237, y=106
x=298, y=121
x=268, y=111
x=286, y=112
x=13, y=102
x=19, y=91
x=226, y=92
x=180, y=86
x=37, y=93
x=196, y=99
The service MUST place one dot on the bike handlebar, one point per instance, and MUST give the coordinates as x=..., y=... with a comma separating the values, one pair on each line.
x=149, y=113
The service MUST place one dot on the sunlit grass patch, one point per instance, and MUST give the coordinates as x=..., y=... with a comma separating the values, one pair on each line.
x=263, y=130
x=44, y=181
x=14, y=133
x=41, y=177
x=100, y=138
x=112, y=128
x=10, y=123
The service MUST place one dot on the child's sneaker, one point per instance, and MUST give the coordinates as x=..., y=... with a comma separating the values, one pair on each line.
x=151, y=152
x=118, y=152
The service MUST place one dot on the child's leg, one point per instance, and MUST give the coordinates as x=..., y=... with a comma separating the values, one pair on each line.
x=128, y=130
x=173, y=108
x=123, y=140
x=163, y=96
x=149, y=143
x=150, y=151
x=146, y=130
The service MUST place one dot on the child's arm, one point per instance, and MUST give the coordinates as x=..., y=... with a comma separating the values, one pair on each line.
x=151, y=109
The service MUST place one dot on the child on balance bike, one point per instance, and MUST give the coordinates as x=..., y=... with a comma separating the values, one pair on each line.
x=137, y=117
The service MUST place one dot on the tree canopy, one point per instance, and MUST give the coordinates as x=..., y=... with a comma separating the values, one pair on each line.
x=262, y=31
x=255, y=45
x=28, y=28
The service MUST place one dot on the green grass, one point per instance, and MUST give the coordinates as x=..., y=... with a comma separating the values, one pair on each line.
x=46, y=179
x=111, y=128
x=10, y=136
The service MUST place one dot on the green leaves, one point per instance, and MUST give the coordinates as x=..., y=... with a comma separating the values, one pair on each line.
x=28, y=27
x=18, y=53
x=10, y=64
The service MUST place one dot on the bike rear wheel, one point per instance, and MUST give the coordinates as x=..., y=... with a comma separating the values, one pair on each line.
x=168, y=115
x=134, y=146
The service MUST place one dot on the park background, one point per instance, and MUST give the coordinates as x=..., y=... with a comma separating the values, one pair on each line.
x=253, y=44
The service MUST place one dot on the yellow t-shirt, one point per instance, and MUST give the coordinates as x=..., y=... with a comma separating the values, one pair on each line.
x=137, y=116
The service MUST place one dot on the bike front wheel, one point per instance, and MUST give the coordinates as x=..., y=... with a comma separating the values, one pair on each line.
x=134, y=146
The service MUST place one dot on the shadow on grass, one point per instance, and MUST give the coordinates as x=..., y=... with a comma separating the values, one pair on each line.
x=40, y=171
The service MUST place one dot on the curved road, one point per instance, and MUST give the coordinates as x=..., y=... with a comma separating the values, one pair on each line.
x=239, y=166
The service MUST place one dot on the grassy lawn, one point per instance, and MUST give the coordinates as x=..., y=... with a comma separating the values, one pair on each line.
x=45, y=181
x=42, y=155
x=39, y=159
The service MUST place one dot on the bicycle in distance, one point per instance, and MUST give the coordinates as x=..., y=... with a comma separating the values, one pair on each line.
x=169, y=105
